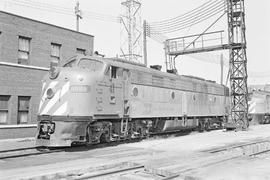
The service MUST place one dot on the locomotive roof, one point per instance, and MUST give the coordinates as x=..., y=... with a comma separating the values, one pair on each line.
x=142, y=68
x=262, y=92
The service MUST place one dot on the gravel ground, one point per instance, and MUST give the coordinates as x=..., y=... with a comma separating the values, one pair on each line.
x=182, y=155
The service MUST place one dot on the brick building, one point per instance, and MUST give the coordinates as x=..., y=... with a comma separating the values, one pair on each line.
x=27, y=49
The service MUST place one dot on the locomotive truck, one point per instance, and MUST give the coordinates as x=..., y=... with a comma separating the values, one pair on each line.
x=92, y=99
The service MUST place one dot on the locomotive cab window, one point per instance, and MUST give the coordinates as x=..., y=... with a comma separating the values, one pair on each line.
x=119, y=72
x=114, y=72
x=90, y=64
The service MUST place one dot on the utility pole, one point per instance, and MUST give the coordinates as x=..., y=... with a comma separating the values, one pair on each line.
x=145, y=42
x=221, y=68
x=78, y=14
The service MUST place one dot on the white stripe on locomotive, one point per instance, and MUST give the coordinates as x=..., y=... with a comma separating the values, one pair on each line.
x=51, y=85
x=65, y=89
x=61, y=110
x=251, y=107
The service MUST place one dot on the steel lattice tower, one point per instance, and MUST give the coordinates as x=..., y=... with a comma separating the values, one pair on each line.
x=238, y=63
x=131, y=32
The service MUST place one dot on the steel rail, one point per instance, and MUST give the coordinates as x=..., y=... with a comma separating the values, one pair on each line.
x=259, y=153
x=44, y=150
x=236, y=146
x=19, y=149
x=228, y=158
x=30, y=154
x=111, y=172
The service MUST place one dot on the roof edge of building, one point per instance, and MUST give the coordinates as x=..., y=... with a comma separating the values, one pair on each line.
x=1, y=11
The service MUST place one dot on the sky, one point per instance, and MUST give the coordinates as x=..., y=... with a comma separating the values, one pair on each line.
x=107, y=33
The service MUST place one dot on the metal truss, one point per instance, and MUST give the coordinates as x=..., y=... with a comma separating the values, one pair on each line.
x=238, y=59
x=238, y=63
x=131, y=32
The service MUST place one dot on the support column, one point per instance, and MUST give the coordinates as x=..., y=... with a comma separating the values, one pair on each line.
x=145, y=42
x=238, y=64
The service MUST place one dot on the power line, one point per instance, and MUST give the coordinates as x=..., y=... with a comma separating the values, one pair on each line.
x=187, y=16
x=186, y=24
x=63, y=10
x=215, y=59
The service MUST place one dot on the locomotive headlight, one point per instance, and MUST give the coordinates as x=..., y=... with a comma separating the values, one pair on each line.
x=53, y=73
x=80, y=88
x=50, y=93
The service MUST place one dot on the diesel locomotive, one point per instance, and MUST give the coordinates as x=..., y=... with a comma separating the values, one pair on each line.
x=259, y=106
x=92, y=99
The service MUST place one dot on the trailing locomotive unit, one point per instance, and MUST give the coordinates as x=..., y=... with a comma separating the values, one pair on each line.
x=259, y=106
x=93, y=99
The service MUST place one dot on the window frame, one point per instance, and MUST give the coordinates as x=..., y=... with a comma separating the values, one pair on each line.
x=23, y=110
x=21, y=60
x=53, y=57
x=91, y=60
x=114, y=72
x=81, y=50
x=5, y=109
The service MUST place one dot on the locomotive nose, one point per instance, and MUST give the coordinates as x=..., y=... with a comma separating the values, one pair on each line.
x=67, y=92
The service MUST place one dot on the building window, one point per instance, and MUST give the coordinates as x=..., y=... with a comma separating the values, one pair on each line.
x=55, y=54
x=24, y=50
x=4, y=109
x=23, y=109
x=81, y=51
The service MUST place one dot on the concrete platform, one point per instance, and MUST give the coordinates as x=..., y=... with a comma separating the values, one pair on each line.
x=17, y=131
x=7, y=144
x=187, y=156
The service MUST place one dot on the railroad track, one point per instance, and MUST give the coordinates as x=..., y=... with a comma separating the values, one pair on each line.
x=24, y=152
x=32, y=151
x=127, y=170
x=39, y=150
x=246, y=149
x=114, y=172
x=242, y=145
x=212, y=158
x=215, y=157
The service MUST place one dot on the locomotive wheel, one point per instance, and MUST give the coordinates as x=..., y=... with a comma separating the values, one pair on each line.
x=140, y=133
x=207, y=126
x=88, y=135
x=104, y=138
x=201, y=126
